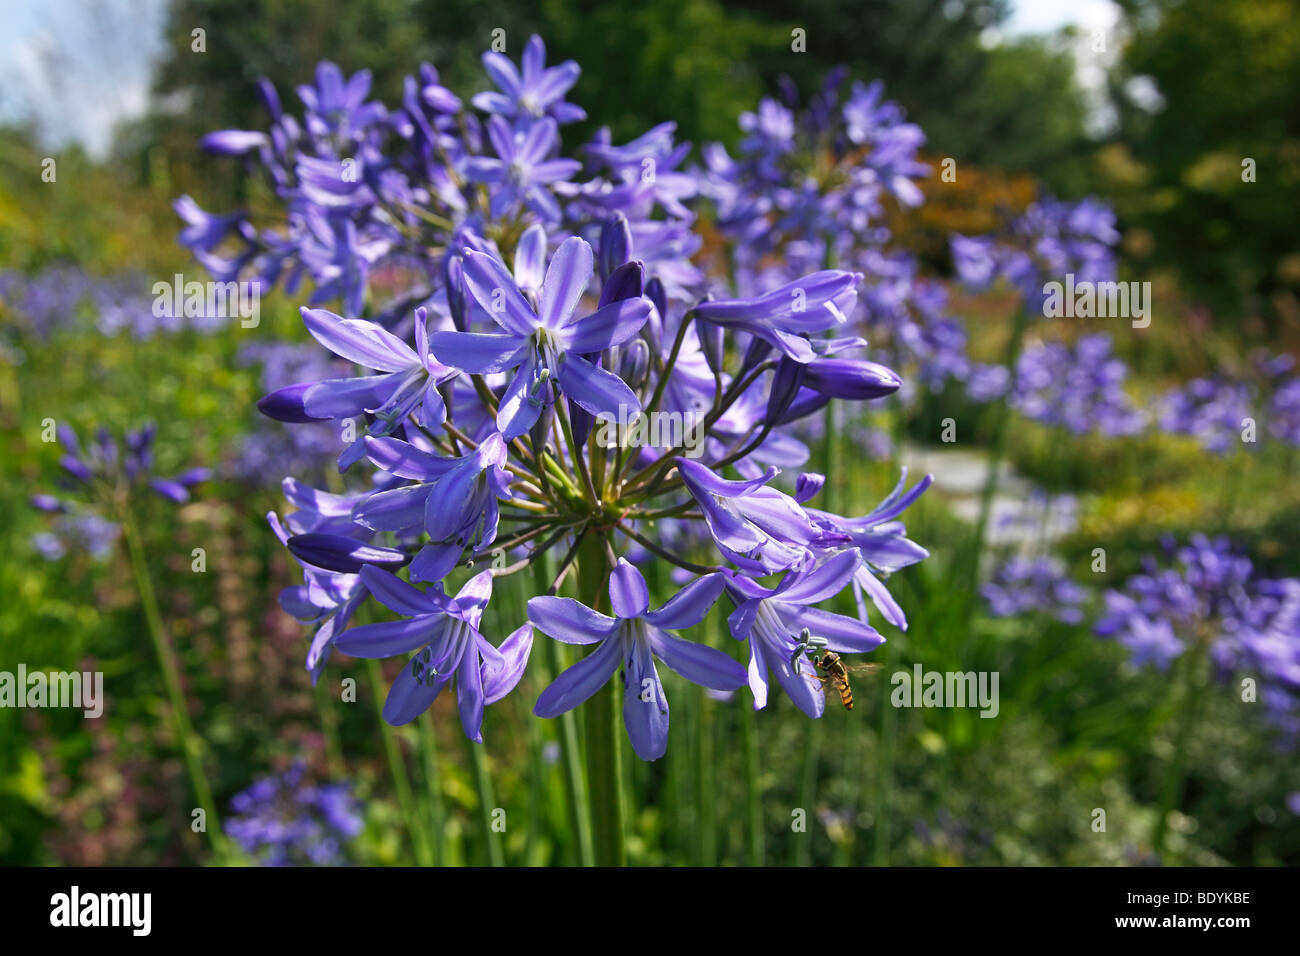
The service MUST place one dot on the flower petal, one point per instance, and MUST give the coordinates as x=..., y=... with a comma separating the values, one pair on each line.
x=469, y=695
x=478, y=353
x=395, y=594
x=335, y=552
x=645, y=708
x=408, y=698
x=569, y=621
x=566, y=281
x=397, y=509
x=824, y=582
x=347, y=397
x=628, y=595
x=597, y=390
x=530, y=258
x=487, y=280
x=500, y=679
x=390, y=638
x=404, y=460
x=581, y=680
x=698, y=663
x=357, y=340
x=611, y=325
x=689, y=605
x=844, y=635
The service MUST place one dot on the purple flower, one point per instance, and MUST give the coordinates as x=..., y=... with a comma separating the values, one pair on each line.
x=538, y=92
x=632, y=640
x=1210, y=410
x=785, y=316
x=547, y=343
x=283, y=820
x=1041, y=586
x=760, y=529
x=103, y=462
x=880, y=541
x=444, y=634
x=328, y=597
x=454, y=500
x=522, y=168
x=774, y=620
x=407, y=386
x=1079, y=388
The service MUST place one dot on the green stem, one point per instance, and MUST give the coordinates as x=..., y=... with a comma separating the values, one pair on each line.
x=753, y=786
x=1171, y=791
x=171, y=678
x=397, y=767
x=812, y=744
x=1002, y=412
x=486, y=802
x=575, y=785
x=604, y=773
x=329, y=723
x=707, y=796
x=434, y=811
x=885, y=771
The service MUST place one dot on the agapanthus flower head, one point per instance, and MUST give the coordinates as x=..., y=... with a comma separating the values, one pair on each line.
x=815, y=176
x=1039, y=585
x=1209, y=595
x=287, y=820
x=1077, y=387
x=1050, y=240
x=1213, y=411
x=517, y=394
x=105, y=471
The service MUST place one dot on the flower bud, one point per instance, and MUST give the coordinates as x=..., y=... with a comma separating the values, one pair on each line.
x=854, y=379
x=625, y=282
x=785, y=386
x=454, y=280
x=615, y=246
x=634, y=363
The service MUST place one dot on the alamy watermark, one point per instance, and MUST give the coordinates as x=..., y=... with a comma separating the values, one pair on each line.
x=84, y=690
x=921, y=688
x=208, y=300
x=681, y=431
x=1102, y=300
x=75, y=908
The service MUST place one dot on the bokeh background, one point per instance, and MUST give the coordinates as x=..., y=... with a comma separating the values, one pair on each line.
x=1149, y=106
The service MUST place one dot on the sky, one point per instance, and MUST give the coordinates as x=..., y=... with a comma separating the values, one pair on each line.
x=77, y=68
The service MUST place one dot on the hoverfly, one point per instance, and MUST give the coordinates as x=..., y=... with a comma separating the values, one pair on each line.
x=831, y=669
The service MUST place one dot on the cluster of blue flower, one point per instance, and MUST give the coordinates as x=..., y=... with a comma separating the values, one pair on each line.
x=544, y=294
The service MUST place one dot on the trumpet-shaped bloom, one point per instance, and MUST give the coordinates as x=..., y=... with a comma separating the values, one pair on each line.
x=773, y=620
x=455, y=500
x=785, y=316
x=537, y=92
x=523, y=168
x=407, y=386
x=632, y=640
x=444, y=634
x=547, y=344
x=760, y=529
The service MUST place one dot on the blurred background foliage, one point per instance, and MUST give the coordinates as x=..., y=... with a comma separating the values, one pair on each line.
x=1088, y=731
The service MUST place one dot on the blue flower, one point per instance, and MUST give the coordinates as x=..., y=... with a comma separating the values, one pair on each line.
x=632, y=639
x=546, y=344
x=444, y=634
x=538, y=92
x=522, y=168
x=407, y=386
x=774, y=620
